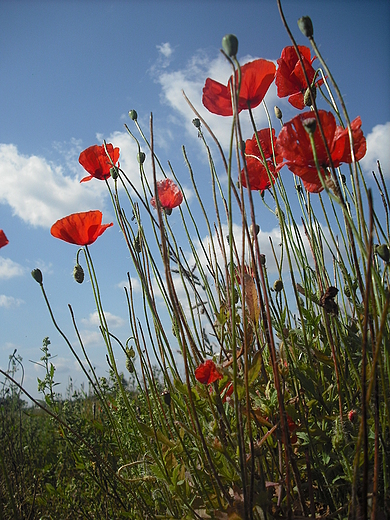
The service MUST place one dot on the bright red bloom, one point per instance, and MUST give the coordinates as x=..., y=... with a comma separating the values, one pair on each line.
x=293, y=143
x=169, y=195
x=207, y=372
x=3, y=239
x=80, y=228
x=256, y=77
x=257, y=173
x=95, y=161
x=290, y=80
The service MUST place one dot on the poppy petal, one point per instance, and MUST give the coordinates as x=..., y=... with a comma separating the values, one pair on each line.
x=207, y=373
x=95, y=161
x=169, y=194
x=80, y=228
x=3, y=239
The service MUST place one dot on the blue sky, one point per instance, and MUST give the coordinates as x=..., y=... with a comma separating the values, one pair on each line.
x=70, y=72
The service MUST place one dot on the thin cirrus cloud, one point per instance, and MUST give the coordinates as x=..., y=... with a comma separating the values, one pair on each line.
x=37, y=203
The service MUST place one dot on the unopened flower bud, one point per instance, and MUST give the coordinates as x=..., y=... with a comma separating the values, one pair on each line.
x=141, y=157
x=133, y=115
x=306, y=26
x=307, y=98
x=78, y=273
x=242, y=146
x=137, y=243
x=278, y=112
x=166, y=395
x=129, y=365
x=262, y=259
x=37, y=275
x=230, y=44
x=114, y=172
x=278, y=285
x=383, y=251
x=254, y=230
x=196, y=122
x=310, y=125
x=130, y=352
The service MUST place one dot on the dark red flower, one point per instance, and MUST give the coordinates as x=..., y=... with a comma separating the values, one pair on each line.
x=207, y=372
x=227, y=391
x=95, y=161
x=80, y=228
x=290, y=80
x=169, y=195
x=257, y=172
x=3, y=239
x=256, y=77
x=293, y=144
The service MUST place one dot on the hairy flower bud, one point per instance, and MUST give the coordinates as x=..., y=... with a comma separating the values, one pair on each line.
x=278, y=285
x=310, y=125
x=254, y=230
x=37, y=275
x=230, y=44
x=307, y=97
x=133, y=115
x=78, y=273
x=278, y=112
x=141, y=157
x=306, y=26
x=196, y=122
x=383, y=251
x=114, y=172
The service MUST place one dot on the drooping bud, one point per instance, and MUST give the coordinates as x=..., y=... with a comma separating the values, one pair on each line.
x=166, y=395
x=114, y=172
x=306, y=26
x=37, y=275
x=196, y=122
x=278, y=286
x=310, y=125
x=278, y=112
x=133, y=115
x=141, y=157
x=254, y=230
x=130, y=355
x=383, y=251
x=78, y=273
x=230, y=44
x=307, y=97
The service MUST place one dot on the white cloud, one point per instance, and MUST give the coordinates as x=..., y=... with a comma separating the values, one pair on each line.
x=112, y=320
x=165, y=49
x=378, y=148
x=39, y=192
x=10, y=269
x=9, y=301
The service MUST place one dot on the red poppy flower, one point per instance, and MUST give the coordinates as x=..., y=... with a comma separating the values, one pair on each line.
x=293, y=143
x=257, y=173
x=95, y=161
x=290, y=80
x=3, y=239
x=80, y=228
x=227, y=391
x=207, y=372
x=169, y=195
x=256, y=77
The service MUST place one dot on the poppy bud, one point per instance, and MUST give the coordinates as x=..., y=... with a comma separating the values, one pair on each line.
x=254, y=230
x=242, y=146
x=230, y=44
x=278, y=285
x=307, y=97
x=78, y=273
x=137, y=243
x=37, y=275
x=133, y=115
x=129, y=365
x=383, y=251
x=306, y=26
x=141, y=157
x=130, y=352
x=114, y=172
x=278, y=112
x=166, y=396
x=262, y=259
x=196, y=122
x=310, y=125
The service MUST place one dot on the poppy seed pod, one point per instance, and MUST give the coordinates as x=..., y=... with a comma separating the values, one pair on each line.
x=230, y=44
x=141, y=157
x=166, y=395
x=133, y=115
x=78, y=273
x=254, y=230
x=306, y=26
x=37, y=275
x=196, y=122
x=307, y=97
x=114, y=172
x=383, y=251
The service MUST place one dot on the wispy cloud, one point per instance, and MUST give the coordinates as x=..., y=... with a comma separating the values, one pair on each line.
x=10, y=269
x=40, y=192
x=112, y=320
x=9, y=301
x=378, y=148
